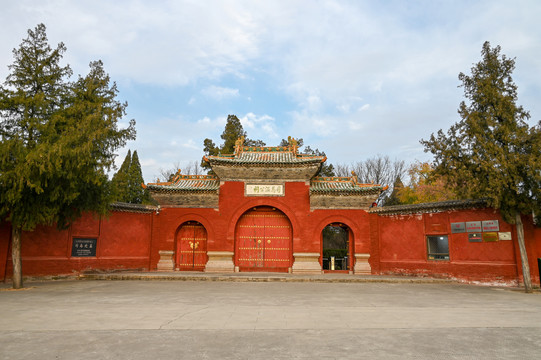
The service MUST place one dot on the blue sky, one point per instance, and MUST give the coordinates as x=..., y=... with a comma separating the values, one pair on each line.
x=353, y=78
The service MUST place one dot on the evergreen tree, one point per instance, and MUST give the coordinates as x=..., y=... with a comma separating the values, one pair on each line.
x=120, y=181
x=232, y=132
x=127, y=182
x=58, y=140
x=137, y=195
x=492, y=152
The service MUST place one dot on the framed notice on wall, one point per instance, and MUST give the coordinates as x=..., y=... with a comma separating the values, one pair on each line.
x=83, y=247
x=475, y=237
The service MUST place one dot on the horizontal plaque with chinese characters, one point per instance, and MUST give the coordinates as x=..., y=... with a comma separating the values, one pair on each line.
x=84, y=247
x=264, y=190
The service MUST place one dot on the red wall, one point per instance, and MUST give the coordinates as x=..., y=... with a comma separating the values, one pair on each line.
x=402, y=248
x=123, y=242
x=396, y=244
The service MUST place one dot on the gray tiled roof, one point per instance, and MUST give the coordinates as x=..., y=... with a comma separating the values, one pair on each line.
x=267, y=155
x=430, y=207
x=195, y=183
x=341, y=185
x=136, y=208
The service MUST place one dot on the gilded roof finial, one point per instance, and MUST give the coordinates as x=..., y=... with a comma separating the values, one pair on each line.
x=354, y=177
x=293, y=143
x=239, y=143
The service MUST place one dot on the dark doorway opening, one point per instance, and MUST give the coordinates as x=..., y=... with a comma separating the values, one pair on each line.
x=336, y=249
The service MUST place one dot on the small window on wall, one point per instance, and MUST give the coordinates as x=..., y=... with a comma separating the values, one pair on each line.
x=438, y=247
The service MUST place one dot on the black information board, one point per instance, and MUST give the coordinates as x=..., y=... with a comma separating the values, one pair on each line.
x=83, y=247
x=475, y=237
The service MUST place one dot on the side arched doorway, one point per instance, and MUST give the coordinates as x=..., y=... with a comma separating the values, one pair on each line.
x=336, y=249
x=263, y=240
x=191, y=247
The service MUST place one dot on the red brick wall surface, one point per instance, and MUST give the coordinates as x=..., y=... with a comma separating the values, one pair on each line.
x=403, y=248
x=123, y=242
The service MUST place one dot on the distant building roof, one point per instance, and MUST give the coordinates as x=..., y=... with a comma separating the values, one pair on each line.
x=265, y=155
x=188, y=183
x=342, y=186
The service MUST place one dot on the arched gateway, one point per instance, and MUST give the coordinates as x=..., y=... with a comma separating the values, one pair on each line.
x=263, y=240
x=336, y=251
x=191, y=248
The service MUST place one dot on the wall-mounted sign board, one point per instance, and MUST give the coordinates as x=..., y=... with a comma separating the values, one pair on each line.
x=475, y=237
x=490, y=236
x=473, y=226
x=457, y=228
x=491, y=225
x=83, y=247
x=505, y=236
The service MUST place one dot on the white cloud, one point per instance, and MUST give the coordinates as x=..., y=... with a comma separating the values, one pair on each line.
x=220, y=93
x=191, y=145
x=261, y=127
x=346, y=73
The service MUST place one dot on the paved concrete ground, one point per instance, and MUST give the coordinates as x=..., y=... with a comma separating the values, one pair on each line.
x=95, y=319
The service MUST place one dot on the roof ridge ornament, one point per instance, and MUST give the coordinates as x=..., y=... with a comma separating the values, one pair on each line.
x=239, y=144
x=293, y=144
x=354, y=179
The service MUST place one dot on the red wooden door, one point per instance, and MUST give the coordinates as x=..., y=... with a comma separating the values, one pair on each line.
x=192, y=247
x=263, y=240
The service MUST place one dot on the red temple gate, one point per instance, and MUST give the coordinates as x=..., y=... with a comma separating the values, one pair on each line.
x=263, y=240
x=191, y=247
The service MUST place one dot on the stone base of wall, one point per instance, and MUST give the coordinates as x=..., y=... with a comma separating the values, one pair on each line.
x=306, y=263
x=166, y=262
x=361, y=264
x=220, y=262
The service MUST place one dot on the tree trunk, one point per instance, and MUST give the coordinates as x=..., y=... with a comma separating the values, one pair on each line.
x=16, y=257
x=523, y=254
